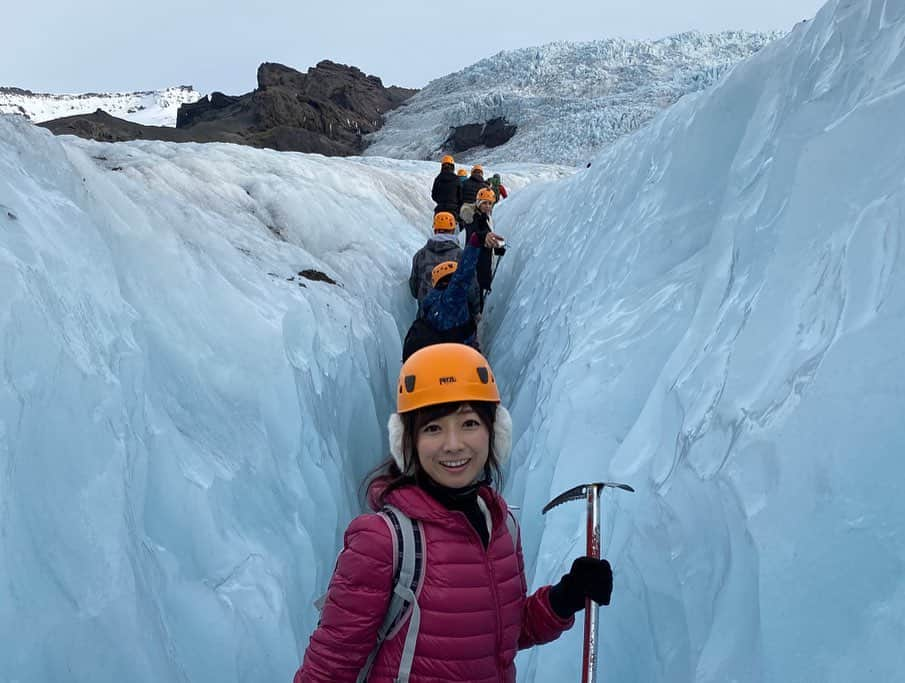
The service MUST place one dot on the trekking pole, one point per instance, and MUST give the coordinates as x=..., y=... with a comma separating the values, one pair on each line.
x=591, y=494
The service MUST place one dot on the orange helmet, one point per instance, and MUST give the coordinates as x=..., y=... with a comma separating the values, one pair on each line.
x=461, y=171
x=485, y=194
x=444, y=221
x=442, y=270
x=445, y=373
x=447, y=160
x=477, y=168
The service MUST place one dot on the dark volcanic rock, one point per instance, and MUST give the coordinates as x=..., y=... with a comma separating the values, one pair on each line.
x=192, y=112
x=102, y=126
x=15, y=91
x=273, y=75
x=326, y=110
x=493, y=133
x=317, y=276
x=337, y=103
x=464, y=137
x=498, y=132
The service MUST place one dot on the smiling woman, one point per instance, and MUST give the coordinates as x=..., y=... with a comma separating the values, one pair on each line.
x=453, y=449
x=467, y=612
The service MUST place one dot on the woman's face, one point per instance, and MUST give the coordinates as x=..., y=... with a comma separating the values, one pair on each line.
x=485, y=207
x=454, y=449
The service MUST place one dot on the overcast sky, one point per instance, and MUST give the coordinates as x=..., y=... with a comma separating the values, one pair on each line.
x=101, y=45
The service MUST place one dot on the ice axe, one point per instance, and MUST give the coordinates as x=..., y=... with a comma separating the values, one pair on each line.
x=591, y=494
x=499, y=257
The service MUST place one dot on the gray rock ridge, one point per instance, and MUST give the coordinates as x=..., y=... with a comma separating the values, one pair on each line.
x=326, y=110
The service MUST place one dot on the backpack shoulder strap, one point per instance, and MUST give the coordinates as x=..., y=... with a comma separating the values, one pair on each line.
x=408, y=566
x=512, y=525
x=511, y=522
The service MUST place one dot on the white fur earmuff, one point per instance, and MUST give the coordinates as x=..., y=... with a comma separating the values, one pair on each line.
x=502, y=437
x=395, y=428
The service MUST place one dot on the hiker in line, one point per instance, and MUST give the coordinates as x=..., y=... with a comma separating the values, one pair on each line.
x=463, y=177
x=470, y=188
x=498, y=188
x=448, y=441
x=446, y=314
x=473, y=183
x=442, y=246
x=478, y=218
x=447, y=190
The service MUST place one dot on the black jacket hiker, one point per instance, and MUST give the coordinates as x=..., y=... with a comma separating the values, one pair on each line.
x=482, y=224
x=470, y=189
x=447, y=192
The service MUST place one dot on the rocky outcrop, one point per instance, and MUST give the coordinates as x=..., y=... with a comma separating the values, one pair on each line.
x=327, y=110
x=195, y=111
x=102, y=126
x=493, y=133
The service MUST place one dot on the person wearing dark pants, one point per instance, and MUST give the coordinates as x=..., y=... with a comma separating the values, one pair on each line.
x=482, y=222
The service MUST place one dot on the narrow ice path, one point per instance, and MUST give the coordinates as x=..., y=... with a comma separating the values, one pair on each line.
x=199, y=353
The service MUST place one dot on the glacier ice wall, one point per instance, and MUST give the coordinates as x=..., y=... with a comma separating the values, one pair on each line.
x=713, y=312
x=199, y=348
x=183, y=417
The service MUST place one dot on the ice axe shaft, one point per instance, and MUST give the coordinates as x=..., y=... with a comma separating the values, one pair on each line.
x=496, y=266
x=591, y=494
x=589, y=652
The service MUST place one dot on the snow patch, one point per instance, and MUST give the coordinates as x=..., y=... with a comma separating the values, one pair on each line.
x=150, y=107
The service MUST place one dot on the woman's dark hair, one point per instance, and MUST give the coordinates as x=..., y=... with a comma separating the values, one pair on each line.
x=412, y=423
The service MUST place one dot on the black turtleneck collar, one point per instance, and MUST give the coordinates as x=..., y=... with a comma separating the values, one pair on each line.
x=463, y=500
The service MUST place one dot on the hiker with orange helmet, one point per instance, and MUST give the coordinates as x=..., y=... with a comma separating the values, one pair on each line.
x=442, y=246
x=468, y=610
x=472, y=184
x=470, y=188
x=482, y=221
x=444, y=314
x=447, y=189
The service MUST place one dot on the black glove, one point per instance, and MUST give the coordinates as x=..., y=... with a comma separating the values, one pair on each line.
x=499, y=251
x=588, y=578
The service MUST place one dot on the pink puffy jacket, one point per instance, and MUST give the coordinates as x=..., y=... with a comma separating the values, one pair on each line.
x=475, y=613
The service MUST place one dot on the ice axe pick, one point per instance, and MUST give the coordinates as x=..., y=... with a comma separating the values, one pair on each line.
x=591, y=494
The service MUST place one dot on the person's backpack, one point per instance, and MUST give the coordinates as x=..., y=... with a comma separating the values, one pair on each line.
x=495, y=186
x=422, y=334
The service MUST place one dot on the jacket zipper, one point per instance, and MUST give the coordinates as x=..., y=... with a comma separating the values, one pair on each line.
x=493, y=587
